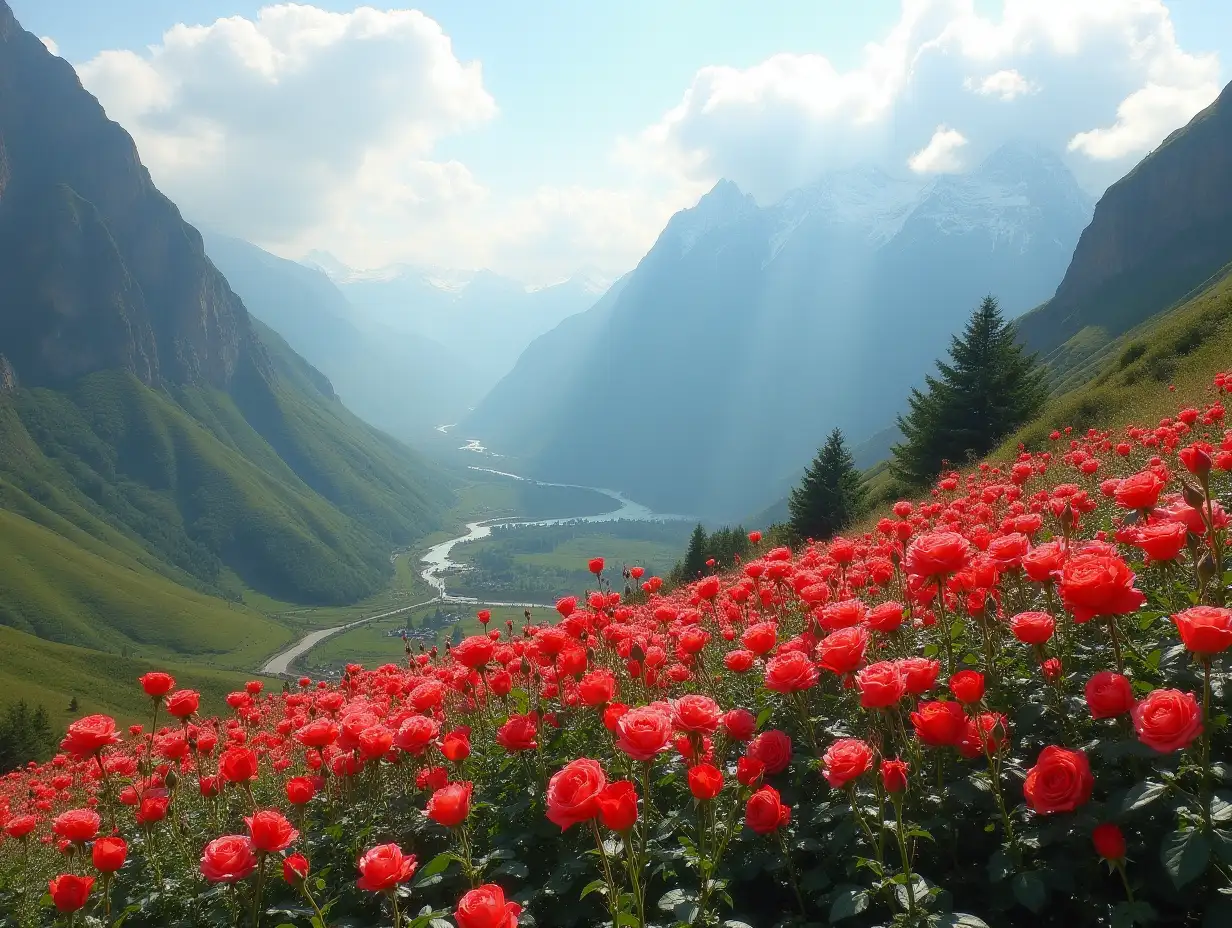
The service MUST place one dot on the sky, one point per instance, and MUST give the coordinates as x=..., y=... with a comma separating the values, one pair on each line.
x=543, y=137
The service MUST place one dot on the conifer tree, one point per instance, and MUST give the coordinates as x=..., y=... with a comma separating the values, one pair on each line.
x=832, y=494
x=989, y=387
x=25, y=735
x=695, y=556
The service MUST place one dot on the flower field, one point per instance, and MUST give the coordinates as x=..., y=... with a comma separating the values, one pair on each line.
x=1004, y=705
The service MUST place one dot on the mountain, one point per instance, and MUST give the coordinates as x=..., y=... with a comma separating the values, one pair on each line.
x=480, y=316
x=747, y=332
x=158, y=447
x=1158, y=234
x=399, y=381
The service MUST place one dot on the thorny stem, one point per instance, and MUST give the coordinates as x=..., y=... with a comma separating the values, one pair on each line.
x=791, y=871
x=613, y=897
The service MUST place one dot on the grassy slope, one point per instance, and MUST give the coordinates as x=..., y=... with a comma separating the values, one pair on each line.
x=1185, y=346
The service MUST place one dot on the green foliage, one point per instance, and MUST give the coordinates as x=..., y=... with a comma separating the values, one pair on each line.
x=25, y=734
x=831, y=495
x=989, y=388
x=722, y=546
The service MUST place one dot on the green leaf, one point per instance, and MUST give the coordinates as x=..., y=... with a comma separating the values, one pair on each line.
x=438, y=864
x=1222, y=844
x=594, y=886
x=513, y=868
x=625, y=918
x=732, y=923
x=1185, y=855
x=999, y=866
x=1143, y=794
x=681, y=903
x=1030, y=890
x=848, y=903
x=1127, y=914
x=1221, y=807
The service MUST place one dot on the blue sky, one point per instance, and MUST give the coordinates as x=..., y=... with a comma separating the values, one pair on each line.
x=579, y=135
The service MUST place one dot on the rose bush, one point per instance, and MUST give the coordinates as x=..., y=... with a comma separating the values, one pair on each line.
x=1004, y=705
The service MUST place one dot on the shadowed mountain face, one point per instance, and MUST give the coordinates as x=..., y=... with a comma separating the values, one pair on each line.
x=1157, y=234
x=138, y=402
x=747, y=332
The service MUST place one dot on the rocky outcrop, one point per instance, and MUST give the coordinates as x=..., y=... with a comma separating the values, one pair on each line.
x=1157, y=233
x=8, y=376
x=97, y=268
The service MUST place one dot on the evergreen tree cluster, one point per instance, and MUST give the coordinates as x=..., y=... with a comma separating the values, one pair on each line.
x=989, y=388
x=723, y=545
x=25, y=734
x=831, y=496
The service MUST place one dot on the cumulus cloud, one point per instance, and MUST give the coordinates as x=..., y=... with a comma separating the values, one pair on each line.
x=1104, y=80
x=1004, y=85
x=50, y=43
x=940, y=155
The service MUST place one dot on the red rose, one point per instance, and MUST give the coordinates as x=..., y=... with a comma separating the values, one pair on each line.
x=300, y=790
x=70, y=892
x=375, y=742
x=451, y=804
x=937, y=554
x=1167, y=720
x=845, y=760
x=790, y=672
x=20, y=826
x=520, y=733
x=597, y=688
x=697, y=713
x=1033, y=627
x=773, y=749
x=1109, y=841
x=383, y=867
x=967, y=686
x=456, y=745
x=596, y=565
x=643, y=732
x=573, y=791
x=1098, y=585
x=617, y=804
x=153, y=808
x=1160, y=540
x=739, y=724
x=881, y=685
x=228, y=859
x=1205, y=629
x=894, y=775
x=842, y=651
x=183, y=703
x=1141, y=491
x=1109, y=694
x=89, y=735
x=1044, y=562
x=318, y=733
x=238, y=765
x=987, y=732
x=760, y=638
x=749, y=770
x=416, y=733
x=108, y=854
x=739, y=661
x=939, y=724
x=473, y=652
x=885, y=618
x=295, y=869
x=1060, y=781
x=765, y=812
x=156, y=683
x=705, y=781
x=919, y=674
x=432, y=778
x=78, y=825
x=486, y=907
x=1197, y=458
x=270, y=831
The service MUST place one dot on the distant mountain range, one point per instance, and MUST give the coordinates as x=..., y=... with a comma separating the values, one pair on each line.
x=478, y=316
x=157, y=444
x=710, y=375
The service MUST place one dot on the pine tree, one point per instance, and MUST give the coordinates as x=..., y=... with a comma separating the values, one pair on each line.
x=989, y=388
x=832, y=494
x=695, y=556
x=25, y=735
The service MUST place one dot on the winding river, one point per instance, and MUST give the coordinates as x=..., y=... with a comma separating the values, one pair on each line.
x=438, y=563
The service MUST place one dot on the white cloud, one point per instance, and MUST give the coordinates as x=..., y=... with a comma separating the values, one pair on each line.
x=1004, y=85
x=1107, y=82
x=940, y=155
x=50, y=43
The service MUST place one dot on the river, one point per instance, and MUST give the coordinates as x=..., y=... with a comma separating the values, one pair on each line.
x=438, y=563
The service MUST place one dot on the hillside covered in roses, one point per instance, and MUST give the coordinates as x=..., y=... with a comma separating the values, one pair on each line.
x=1003, y=704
